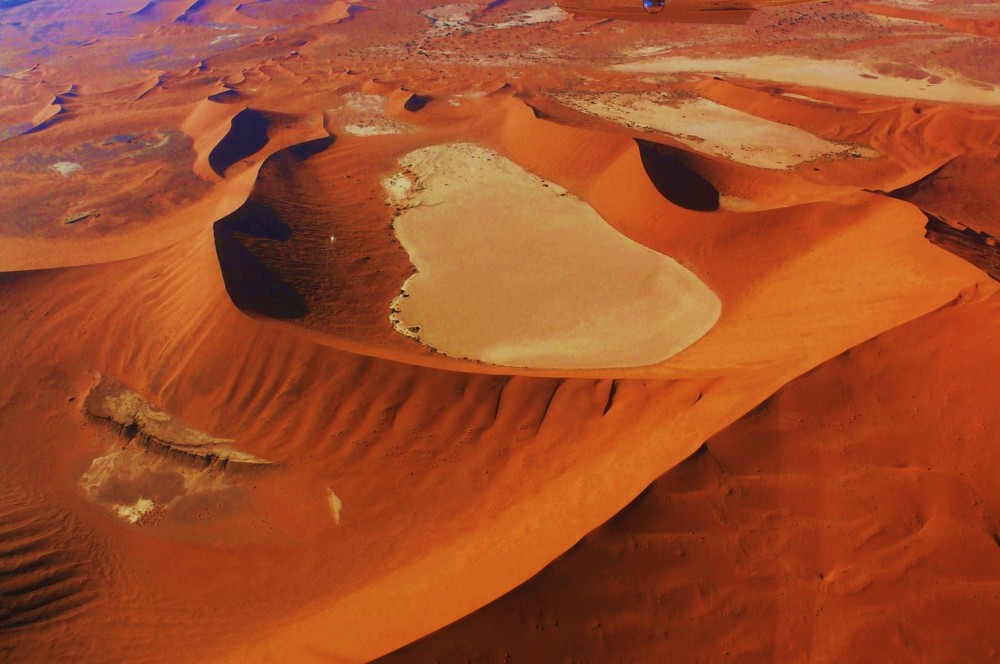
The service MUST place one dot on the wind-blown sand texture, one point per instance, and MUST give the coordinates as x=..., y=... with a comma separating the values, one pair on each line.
x=513, y=270
x=771, y=440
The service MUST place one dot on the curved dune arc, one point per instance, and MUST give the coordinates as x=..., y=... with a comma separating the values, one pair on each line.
x=513, y=270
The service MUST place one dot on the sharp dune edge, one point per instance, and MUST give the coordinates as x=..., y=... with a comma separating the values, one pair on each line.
x=511, y=331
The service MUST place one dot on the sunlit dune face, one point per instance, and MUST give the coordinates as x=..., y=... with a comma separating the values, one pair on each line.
x=513, y=270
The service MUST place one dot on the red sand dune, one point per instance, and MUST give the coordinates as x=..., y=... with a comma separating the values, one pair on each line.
x=215, y=445
x=841, y=520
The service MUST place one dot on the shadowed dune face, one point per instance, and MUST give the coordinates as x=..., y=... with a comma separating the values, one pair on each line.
x=979, y=248
x=678, y=182
x=247, y=135
x=254, y=287
x=289, y=476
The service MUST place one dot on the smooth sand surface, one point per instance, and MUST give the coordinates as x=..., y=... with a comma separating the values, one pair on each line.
x=513, y=270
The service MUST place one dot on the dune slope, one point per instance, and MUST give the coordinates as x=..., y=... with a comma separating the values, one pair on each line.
x=217, y=445
x=840, y=520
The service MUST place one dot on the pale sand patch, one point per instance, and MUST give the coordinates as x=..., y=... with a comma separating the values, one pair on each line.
x=893, y=22
x=533, y=17
x=220, y=39
x=142, y=471
x=128, y=410
x=336, y=504
x=374, y=127
x=67, y=168
x=513, y=270
x=737, y=204
x=396, y=188
x=792, y=95
x=447, y=17
x=649, y=50
x=715, y=129
x=132, y=513
x=364, y=115
x=909, y=4
x=842, y=75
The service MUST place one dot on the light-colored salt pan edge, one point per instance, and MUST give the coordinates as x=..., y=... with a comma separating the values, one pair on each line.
x=841, y=75
x=533, y=17
x=712, y=128
x=364, y=115
x=513, y=270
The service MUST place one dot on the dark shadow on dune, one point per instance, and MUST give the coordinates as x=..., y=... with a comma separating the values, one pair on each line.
x=675, y=180
x=539, y=113
x=251, y=285
x=303, y=151
x=225, y=97
x=416, y=103
x=971, y=245
x=145, y=11
x=42, y=126
x=245, y=239
x=8, y=4
x=909, y=191
x=192, y=9
x=247, y=136
x=980, y=249
x=256, y=221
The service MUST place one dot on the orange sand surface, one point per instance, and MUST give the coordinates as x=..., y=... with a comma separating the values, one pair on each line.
x=498, y=331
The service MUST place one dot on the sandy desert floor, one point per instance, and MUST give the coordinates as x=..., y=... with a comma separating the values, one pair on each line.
x=511, y=331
